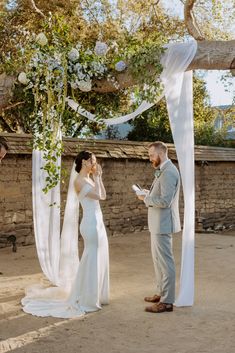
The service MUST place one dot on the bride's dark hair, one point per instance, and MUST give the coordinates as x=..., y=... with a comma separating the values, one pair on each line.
x=78, y=161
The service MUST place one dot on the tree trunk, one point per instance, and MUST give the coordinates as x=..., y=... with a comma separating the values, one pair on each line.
x=210, y=55
x=6, y=84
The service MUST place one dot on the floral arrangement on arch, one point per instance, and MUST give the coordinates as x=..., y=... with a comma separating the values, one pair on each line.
x=54, y=68
x=51, y=75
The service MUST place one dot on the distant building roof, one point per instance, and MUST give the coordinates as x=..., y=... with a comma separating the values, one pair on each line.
x=22, y=144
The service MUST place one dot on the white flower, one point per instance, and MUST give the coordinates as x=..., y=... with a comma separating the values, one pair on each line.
x=101, y=48
x=120, y=66
x=97, y=67
x=114, y=46
x=80, y=75
x=78, y=46
x=88, y=52
x=84, y=86
x=73, y=55
x=146, y=87
x=41, y=39
x=78, y=68
x=74, y=85
x=22, y=78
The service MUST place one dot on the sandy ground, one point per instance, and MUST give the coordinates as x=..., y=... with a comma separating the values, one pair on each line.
x=123, y=326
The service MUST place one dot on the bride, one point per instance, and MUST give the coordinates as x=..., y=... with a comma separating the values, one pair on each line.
x=90, y=287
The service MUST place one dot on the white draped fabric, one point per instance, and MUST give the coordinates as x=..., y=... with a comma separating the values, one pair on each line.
x=179, y=98
x=114, y=121
x=46, y=220
x=69, y=257
x=58, y=255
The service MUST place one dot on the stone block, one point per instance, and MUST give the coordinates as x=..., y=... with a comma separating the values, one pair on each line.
x=23, y=232
x=29, y=213
x=8, y=227
x=8, y=220
x=20, y=239
x=29, y=240
x=24, y=225
x=18, y=217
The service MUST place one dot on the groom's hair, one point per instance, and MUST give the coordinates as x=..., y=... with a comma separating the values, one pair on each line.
x=78, y=161
x=159, y=145
x=3, y=143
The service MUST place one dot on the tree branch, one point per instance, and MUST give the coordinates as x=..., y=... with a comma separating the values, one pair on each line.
x=5, y=126
x=13, y=105
x=210, y=55
x=190, y=20
x=214, y=55
x=37, y=9
x=155, y=4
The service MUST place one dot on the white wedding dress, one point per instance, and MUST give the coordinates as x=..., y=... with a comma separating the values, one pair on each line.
x=90, y=287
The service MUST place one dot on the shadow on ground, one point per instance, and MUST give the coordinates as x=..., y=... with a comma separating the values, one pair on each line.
x=123, y=326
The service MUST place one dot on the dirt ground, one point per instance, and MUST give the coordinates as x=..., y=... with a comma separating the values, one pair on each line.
x=123, y=325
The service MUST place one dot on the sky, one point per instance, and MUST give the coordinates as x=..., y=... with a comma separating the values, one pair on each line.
x=215, y=88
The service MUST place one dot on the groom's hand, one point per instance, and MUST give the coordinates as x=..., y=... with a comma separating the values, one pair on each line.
x=144, y=193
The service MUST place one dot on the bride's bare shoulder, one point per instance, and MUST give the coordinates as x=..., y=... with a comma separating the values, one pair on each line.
x=79, y=183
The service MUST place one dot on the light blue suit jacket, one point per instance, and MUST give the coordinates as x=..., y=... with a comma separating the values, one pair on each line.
x=163, y=201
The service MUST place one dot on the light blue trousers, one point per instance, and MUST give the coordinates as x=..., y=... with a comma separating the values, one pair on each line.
x=164, y=266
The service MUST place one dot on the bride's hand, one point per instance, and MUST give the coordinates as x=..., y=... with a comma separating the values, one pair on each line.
x=97, y=170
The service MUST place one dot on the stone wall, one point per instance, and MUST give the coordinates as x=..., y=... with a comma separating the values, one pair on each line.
x=16, y=199
x=215, y=195
x=124, y=163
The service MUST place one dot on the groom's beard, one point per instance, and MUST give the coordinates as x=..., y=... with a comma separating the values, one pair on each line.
x=156, y=163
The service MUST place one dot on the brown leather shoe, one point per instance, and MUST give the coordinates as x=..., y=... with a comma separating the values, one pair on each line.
x=159, y=308
x=154, y=299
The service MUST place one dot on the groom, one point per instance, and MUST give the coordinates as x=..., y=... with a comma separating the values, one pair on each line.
x=163, y=220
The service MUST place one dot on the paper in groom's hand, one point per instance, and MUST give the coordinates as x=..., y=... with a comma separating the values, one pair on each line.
x=138, y=190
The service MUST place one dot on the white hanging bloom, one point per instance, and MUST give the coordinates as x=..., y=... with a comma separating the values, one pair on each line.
x=41, y=39
x=73, y=55
x=78, y=67
x=22, y=78
x=120, y=66
x=101, y=48
x=84, y=86
x=74, y=85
